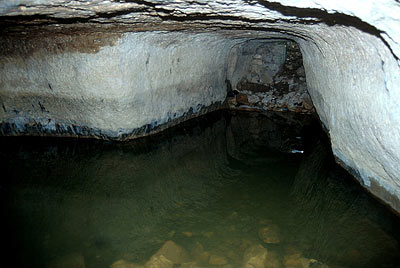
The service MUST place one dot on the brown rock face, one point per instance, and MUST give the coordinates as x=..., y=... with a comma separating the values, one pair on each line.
x=242, y=99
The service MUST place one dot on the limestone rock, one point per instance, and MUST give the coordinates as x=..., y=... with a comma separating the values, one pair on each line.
x=124, y=264
x=173, y=252
x=190, y=265
x=91, y=104
x=312, y=263
x=217, y=260
x=255, y=257
x=273, y=260
x=269, y=234
x=293, y=261
x=253, y=99
x=199, y=254
x=159, y=261
x=307, y=102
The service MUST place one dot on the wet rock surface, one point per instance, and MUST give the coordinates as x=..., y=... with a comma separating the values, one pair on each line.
x=255, y=257
x=273, y=80
x=269, y=234
x=173, y=252
x=125, y=264
x=273, y=260
x=159, y=261
x=217, y=260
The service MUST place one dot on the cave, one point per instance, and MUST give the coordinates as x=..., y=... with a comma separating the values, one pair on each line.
x=97, y=80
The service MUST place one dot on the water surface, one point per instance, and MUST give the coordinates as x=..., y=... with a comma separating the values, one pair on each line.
x=215, y=181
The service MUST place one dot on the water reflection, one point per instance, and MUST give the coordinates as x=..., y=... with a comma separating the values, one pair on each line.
x=217, y=185
x=337, y=222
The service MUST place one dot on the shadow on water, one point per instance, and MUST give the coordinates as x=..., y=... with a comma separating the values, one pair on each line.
x=218, y=181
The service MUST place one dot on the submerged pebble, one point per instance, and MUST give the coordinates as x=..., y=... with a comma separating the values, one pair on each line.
x=269, y=234
x=255, y=257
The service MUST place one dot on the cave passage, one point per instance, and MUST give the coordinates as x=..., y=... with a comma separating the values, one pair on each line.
x=229, y=189
x=200, y=134
x=267, y=75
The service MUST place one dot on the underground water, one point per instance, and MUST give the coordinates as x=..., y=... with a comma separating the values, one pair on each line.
x=221, y=187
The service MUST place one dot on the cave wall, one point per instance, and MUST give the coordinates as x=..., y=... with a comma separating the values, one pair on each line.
x=351, y=54
x=353, y=80
x=256, y=62
x=268, y=75
x=135, y=84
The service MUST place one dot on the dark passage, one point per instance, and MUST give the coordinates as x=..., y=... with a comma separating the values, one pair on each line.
x=216, y=185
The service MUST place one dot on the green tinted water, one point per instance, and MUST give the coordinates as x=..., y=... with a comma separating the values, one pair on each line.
x=217, y=184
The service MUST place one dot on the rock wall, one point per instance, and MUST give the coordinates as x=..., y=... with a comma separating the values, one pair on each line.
x=353, y=80
x=141, y=83
x=257, y=62
x=351, y=54
x=268, y=76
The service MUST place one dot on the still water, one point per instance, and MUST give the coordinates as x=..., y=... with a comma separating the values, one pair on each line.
x=216, y=186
